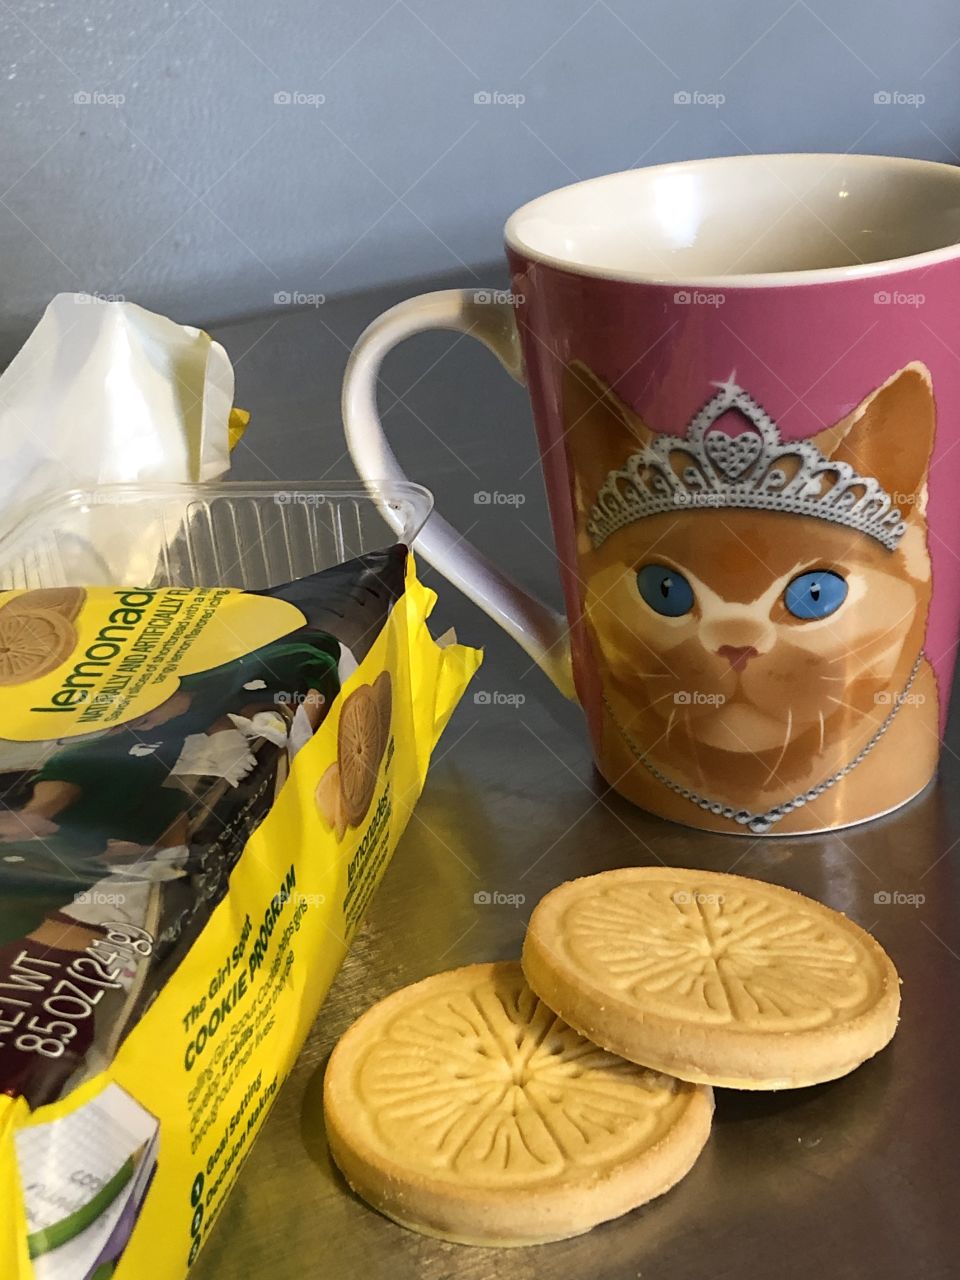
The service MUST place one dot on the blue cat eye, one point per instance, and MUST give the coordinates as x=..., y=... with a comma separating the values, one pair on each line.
x=815, y=595
x=665, y=591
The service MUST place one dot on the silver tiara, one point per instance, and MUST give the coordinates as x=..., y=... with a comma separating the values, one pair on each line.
x=753, y=470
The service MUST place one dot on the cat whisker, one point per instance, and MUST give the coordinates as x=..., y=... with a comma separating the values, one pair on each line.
x=820, y=716
x=783, y=750
x=662, y=697
x=858, y=711
x=890, y=634
x=692, y=746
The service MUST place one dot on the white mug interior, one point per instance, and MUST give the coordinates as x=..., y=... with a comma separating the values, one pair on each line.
x=755, y=219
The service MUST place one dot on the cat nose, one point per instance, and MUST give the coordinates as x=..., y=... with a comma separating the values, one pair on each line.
x=738, y=655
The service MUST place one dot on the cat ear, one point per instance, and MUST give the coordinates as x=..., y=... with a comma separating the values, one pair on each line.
x=600, y=431
x=889, y=435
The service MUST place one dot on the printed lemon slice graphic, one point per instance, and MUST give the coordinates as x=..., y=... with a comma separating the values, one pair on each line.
x=65, y=600
x=463, y=1107
x=383, y=692
x=714, y=978
x=32, y=643
x=360, y=744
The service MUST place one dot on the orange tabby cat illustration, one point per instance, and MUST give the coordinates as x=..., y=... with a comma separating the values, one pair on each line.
x=756, y=607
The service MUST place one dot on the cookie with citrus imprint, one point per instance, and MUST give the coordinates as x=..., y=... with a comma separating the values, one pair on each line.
x=67, y=601
x=360, y=744
x=327, y=799
x=33, y=643
x=462, y=1107
x=713, y=978
x=383, y=692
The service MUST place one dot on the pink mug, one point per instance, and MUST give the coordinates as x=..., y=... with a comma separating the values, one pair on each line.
x=745, y=377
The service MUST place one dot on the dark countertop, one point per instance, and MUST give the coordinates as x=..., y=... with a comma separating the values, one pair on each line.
x=852, y=1179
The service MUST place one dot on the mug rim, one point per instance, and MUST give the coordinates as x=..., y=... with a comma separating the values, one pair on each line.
x=732, y=280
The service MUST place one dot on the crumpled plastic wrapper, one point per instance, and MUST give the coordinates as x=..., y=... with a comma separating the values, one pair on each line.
x=110, y=393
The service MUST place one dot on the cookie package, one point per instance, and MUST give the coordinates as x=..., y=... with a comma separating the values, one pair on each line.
x=201, y=789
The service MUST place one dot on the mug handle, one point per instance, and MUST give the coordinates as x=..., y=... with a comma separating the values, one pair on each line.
x=538, y=629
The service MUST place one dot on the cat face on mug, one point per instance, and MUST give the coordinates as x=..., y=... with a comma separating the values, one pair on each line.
x=749, y=631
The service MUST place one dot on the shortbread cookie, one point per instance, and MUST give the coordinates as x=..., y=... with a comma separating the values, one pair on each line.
x=32, y=644
x=360, y=744
x=313, y=708
x=327, y=799
x=463, y=1108
x=383, y=692
x=65, y=600
x=713, y=978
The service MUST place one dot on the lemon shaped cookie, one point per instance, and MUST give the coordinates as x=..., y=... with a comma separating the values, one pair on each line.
x=32, y=644
x=462, y=1107
x=713, y=978
x=383, y=692
x=65, y=600
x=360, y=743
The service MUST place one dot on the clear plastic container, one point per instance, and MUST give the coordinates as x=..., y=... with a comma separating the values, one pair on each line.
x=229, y=533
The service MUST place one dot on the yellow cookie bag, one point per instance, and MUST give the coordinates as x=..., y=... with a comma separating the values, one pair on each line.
x=202, y=789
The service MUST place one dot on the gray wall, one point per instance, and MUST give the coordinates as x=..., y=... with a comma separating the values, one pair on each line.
x=183, y=184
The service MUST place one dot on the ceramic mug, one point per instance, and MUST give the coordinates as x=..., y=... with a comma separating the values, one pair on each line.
x=745, y=377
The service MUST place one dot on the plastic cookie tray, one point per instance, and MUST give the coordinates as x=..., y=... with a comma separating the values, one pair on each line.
x=235, y=534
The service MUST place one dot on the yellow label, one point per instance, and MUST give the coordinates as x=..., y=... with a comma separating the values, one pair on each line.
x=123, y=653
x=195, y=1078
